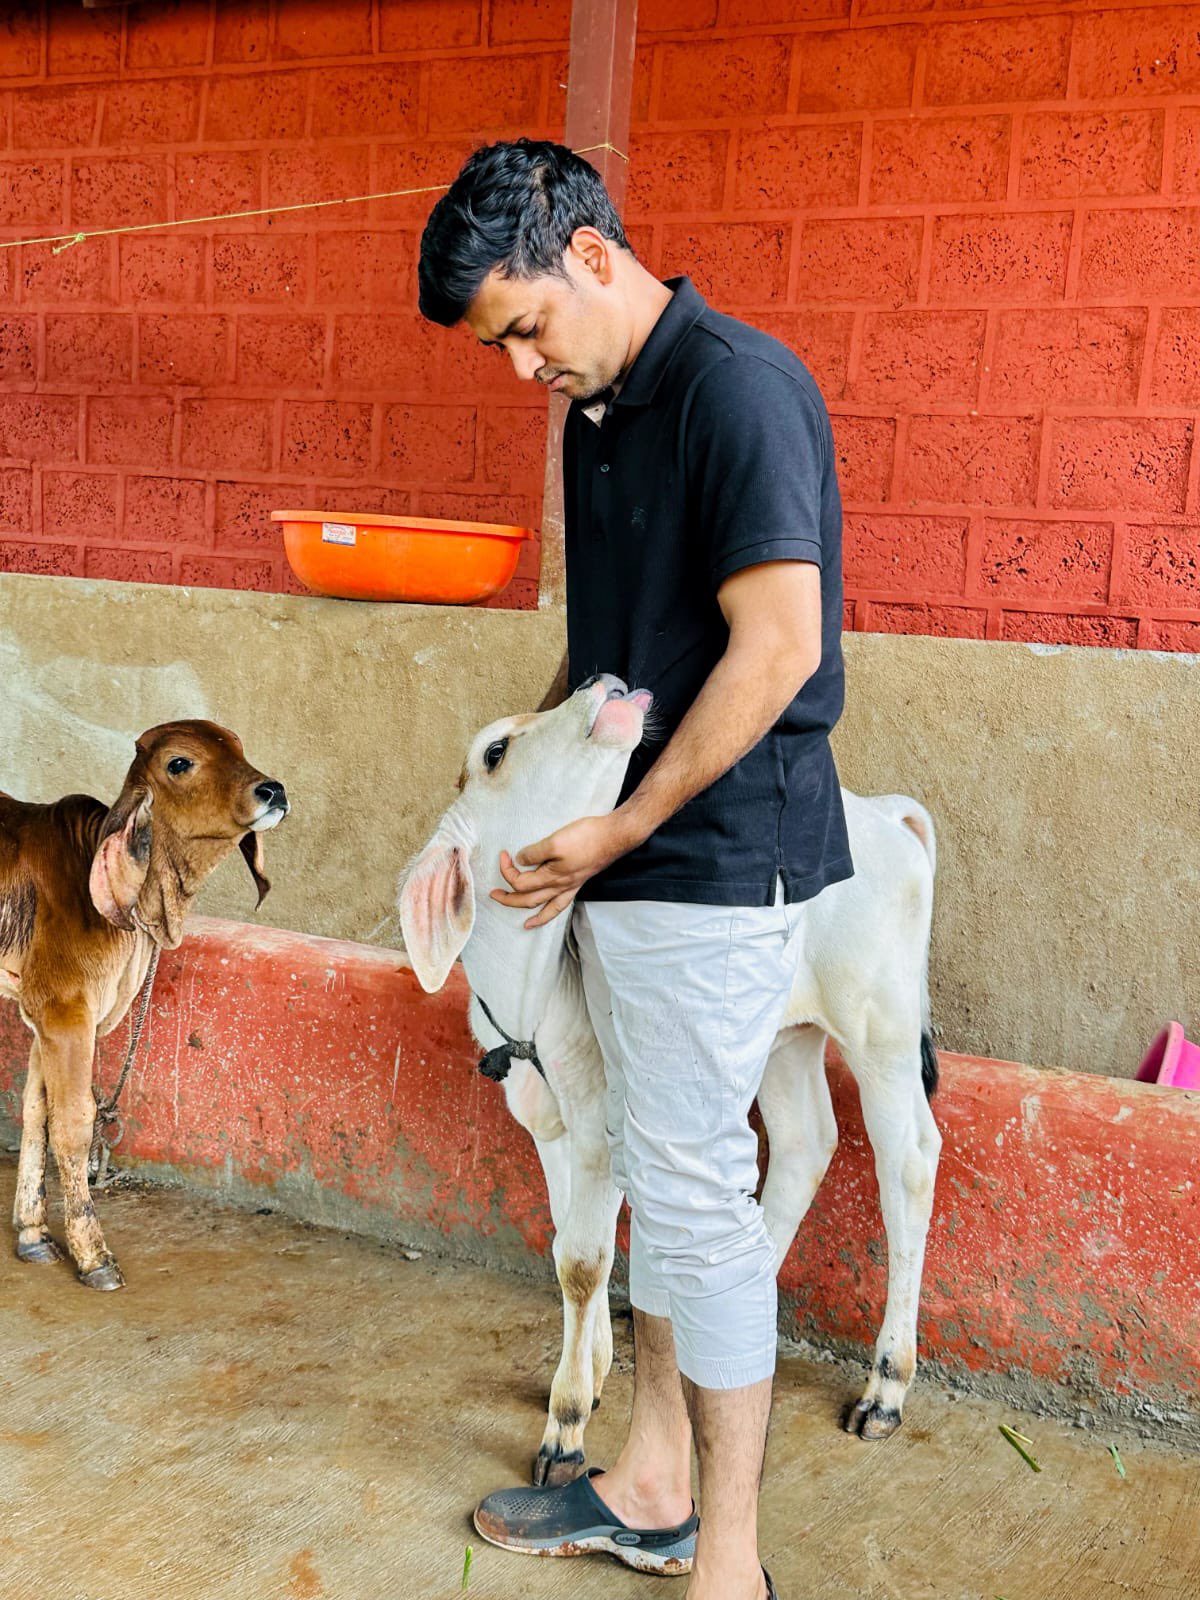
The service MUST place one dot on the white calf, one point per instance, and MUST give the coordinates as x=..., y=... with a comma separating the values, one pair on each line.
x=861, y=979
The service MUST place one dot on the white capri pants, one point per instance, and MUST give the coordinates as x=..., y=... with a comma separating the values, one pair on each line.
x=686, y=1001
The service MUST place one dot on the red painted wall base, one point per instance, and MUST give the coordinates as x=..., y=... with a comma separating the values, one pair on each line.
x=316, y=1074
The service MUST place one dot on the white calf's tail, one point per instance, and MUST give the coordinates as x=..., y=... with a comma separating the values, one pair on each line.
x=913, y=816
x=917, y=820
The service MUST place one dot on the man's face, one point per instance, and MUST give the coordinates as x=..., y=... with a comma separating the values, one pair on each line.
x=566, y=333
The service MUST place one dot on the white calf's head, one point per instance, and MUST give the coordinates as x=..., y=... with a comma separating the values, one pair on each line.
x=524, y=777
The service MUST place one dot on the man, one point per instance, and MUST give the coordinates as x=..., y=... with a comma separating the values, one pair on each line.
x=703, y=543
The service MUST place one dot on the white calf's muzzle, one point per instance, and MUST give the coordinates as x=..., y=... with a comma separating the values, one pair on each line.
x=619, y=718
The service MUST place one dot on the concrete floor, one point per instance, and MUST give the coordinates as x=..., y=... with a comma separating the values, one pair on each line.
x=272, y=1411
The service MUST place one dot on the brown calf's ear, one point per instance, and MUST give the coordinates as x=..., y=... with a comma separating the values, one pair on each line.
x=437, y=911
x=251, y=847
x=122, y=857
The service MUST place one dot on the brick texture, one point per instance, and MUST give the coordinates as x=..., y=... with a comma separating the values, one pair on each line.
x=18, y=349
x=1025, y=560
x=79, y=505
x=162, y=392
x=972, y=460
x=242, y=32
x=993, y=233
x=1069, y=357
x=1162, y=567
x=1066, y=154
x=978, y=225
x=1138, y=463
x=16, y=499
x=1049, y=627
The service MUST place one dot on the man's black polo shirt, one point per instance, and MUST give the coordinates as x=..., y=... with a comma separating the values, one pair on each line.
x=716, y=455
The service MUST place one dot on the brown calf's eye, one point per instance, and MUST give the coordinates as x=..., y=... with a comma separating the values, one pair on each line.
x=179, y=765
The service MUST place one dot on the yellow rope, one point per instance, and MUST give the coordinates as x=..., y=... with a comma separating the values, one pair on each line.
x=64, y=241
x=588, y=148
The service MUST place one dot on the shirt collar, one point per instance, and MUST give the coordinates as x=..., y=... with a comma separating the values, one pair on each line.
x=680, y=314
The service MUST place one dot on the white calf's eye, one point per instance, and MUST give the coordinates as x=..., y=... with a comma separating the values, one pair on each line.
x=494, y=754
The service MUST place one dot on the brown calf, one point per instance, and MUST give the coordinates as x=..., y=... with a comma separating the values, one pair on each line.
x=87, y=892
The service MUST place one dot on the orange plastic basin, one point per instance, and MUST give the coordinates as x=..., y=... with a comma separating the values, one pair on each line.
x=363, y=555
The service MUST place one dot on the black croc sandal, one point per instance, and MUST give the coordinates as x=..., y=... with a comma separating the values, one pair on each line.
x=574, y=1521
x=771, y=1595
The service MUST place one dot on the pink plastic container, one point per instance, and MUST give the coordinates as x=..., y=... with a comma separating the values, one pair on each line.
x=1172, y=1059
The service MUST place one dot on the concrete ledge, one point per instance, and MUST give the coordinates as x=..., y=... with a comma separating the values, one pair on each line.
x=1061, y=780
x=315, y=1076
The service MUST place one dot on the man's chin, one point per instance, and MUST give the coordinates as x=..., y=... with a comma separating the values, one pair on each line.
x=586, y=390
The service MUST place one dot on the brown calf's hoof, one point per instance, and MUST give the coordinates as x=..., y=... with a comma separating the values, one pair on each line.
x=106, y=1276
x=872, y=1421
x=39, y=1250
x=553, y=1471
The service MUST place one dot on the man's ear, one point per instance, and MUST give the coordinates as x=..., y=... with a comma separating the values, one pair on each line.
x=592, y=252
x=251, y=846
x=437, y=910
x=122, y=857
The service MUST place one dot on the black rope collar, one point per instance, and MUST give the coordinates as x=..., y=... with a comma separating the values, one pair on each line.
x=495, y=1063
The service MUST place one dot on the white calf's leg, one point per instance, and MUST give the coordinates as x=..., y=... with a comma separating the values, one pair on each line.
x=606, y=1204
x=555, y=1156
x=906, y=1143
x=583, y=1204
x=798, y=1115
x=577, y=1177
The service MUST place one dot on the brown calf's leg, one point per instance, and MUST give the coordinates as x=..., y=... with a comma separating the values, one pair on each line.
x=68, y=1036
x=29, y=1208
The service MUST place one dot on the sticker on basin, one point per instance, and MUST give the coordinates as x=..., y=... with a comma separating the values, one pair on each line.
x=338, y=533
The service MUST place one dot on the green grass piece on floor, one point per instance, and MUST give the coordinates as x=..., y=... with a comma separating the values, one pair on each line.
x=467, y=1566
x=1116, y=1455
x=1015, y=1439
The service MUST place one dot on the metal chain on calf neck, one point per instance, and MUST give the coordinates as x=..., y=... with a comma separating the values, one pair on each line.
x=495, y=1063
x=103, y=1142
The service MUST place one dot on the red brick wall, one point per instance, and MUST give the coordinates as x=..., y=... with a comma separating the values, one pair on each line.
x=979, y=225
x=161, y=392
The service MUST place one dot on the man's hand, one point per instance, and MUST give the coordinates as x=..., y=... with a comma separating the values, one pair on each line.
x=562, y=864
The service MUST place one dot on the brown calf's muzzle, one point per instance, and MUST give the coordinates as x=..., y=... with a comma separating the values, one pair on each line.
x=188, y=799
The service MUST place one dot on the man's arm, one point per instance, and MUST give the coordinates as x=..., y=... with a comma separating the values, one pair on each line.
x=773, y=612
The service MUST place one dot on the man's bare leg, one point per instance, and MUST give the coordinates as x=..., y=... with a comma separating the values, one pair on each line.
x=650, y=1484
x=730, y=1428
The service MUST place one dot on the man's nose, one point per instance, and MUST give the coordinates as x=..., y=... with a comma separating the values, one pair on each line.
x=527, y=363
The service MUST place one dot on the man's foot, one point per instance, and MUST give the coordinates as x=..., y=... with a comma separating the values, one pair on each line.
x=574, y=1521
x=642, y=1500
x=764, y=1590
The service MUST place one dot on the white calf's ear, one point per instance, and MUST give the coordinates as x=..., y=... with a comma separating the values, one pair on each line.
x=437, y=910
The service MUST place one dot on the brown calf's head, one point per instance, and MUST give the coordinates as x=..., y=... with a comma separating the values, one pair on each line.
x=188, y=799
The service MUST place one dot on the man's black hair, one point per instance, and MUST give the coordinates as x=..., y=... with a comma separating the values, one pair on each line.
x=514, y=206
